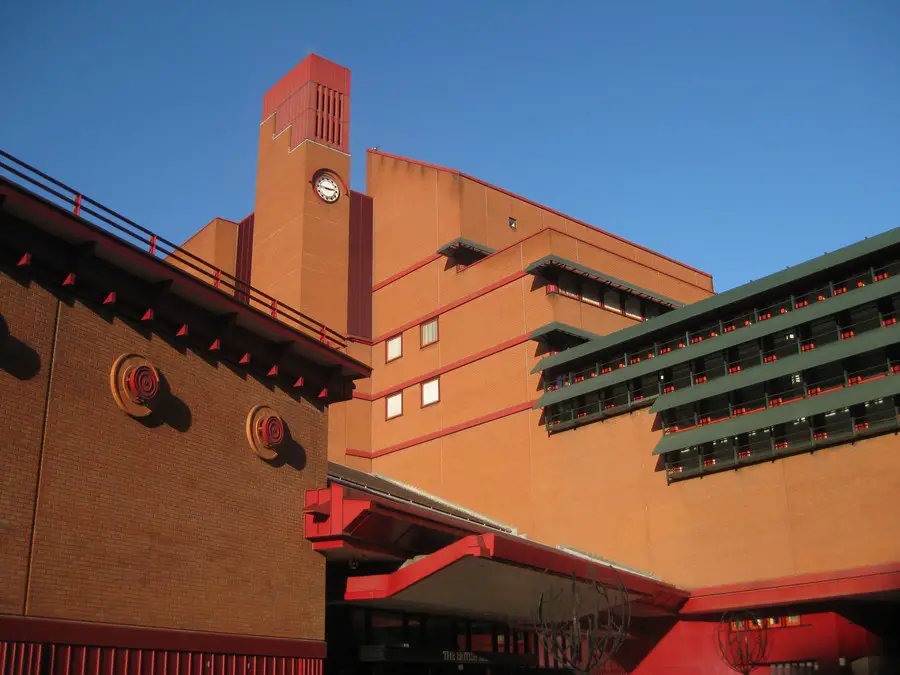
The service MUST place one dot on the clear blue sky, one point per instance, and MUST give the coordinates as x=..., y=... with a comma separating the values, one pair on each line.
x=739, y=137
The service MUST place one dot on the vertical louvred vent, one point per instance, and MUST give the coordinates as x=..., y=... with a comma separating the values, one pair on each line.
x=314, y=101
x=329, y=115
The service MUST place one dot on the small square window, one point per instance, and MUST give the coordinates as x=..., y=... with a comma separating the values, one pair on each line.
x=393, y=405
x=512, y=223
x=793, y=620
x=795, y=378
x=394, y=348
x=429, y=334
x=431, y=392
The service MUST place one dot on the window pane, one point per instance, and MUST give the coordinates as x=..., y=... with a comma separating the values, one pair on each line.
x=394, y=404
x=611, y=300
x=429, y=332
x=394, y=348
x=590, y=292
x=431, y=392
x=633, y=308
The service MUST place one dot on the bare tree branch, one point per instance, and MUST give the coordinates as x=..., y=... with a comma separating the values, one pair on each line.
x=582, y=628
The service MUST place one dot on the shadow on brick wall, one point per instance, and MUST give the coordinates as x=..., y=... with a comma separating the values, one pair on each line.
x=167, y=409
x=16, y=357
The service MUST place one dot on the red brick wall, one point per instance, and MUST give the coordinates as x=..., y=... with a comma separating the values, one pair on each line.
x=174, y=524
x=29, y=317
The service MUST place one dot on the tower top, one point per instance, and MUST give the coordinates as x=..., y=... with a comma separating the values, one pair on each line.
x=314, y=100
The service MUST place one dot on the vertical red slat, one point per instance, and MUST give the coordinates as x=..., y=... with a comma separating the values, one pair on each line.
x=64, y=660
x=77, y=661
x=92, y=660
x=3, y=651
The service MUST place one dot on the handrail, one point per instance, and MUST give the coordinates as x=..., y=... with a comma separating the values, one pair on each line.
x=165, y=250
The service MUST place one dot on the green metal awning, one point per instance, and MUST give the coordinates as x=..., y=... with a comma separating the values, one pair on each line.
x=843, y=398
x=466, y=244
x=693, y=314
x=834, y=351
x=777, y=324
x=548, y=329
x=556, y=261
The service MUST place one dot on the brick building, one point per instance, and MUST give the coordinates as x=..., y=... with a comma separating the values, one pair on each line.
x=392, y=419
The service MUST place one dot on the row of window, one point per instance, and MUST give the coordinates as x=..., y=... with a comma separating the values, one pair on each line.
x=861, y=420
x=739, y=358
x=430, y=393
x=599, y=295
x=682, y=340
x=770, y=622
x=428, y=335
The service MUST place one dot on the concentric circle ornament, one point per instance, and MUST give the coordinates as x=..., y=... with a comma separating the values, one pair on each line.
x=265, y=431
x=142, y=383
x=134, y=383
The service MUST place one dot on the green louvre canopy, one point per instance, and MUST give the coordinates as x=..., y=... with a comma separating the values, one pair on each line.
x=542, y=332
x=843, y=398
x=466, y=244
x=834, y=351
x=583, y=270
x=777, y=324
x=713, y=305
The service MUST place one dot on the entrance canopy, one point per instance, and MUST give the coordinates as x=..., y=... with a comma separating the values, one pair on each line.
x=449, y=561
x=503, y=576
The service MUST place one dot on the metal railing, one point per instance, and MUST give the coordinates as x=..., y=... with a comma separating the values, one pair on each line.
x=127, y=230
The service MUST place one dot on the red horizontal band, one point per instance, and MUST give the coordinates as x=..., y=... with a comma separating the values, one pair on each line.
x=446, y=369
x=462, y=426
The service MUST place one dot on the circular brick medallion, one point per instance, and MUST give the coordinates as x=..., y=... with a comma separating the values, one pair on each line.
x=265, y=431
x=134, y=383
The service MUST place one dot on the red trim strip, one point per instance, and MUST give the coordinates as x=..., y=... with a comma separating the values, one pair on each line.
x=540, y=206
x=409, y=270
x=790, y=590
x=446, y=369
x=27, y=629
x=446, y=308
x=462, y=426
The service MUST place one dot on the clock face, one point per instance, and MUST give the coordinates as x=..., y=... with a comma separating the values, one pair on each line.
x=327, y=188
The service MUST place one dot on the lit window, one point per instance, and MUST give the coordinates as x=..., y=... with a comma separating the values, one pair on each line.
x=394, y=405
x=611, y=300
x=633, y=307
x=431, y=392
x=429, y=332
x=795, y=378
x=512, y=223
x=394, y=348
x=793, y=620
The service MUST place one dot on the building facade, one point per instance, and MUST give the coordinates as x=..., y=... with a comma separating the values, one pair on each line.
x=474, y=396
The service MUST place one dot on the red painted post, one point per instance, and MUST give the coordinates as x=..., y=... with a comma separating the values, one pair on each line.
x=153, y=244
x=218, y=278
x=77, y=209
x=275, y=308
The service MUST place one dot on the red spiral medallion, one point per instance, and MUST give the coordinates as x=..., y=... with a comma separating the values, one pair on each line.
x=271, y=431
x=142, y=383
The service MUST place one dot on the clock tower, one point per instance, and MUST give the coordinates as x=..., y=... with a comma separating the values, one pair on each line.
x=302, y=216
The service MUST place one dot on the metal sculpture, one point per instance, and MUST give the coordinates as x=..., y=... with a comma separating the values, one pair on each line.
x=582, y=628
x=743, y=640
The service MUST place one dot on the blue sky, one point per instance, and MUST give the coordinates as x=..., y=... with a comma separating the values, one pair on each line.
x=739, y=137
